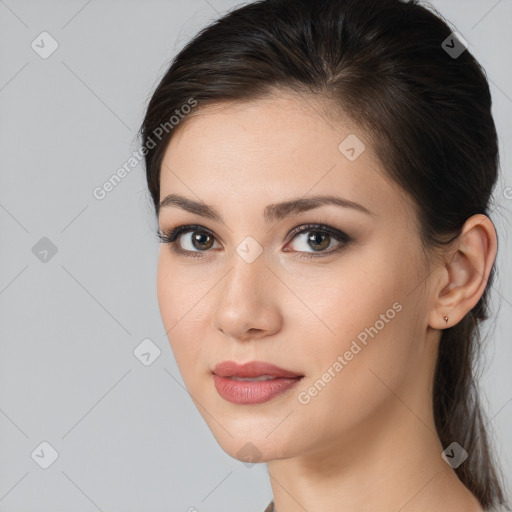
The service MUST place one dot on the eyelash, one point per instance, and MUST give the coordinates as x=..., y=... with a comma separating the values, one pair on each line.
x=171, y=236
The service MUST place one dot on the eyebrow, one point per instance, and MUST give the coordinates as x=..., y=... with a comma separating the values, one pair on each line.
x=272, y=213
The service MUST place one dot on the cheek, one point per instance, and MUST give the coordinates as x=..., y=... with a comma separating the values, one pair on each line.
x=368, y=347
x=176, y=302
x=176, y=291
x=338, y=303
x=167, y=294
x=351, y=380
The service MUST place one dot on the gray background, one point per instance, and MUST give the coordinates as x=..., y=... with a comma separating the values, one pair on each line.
x=128, y=436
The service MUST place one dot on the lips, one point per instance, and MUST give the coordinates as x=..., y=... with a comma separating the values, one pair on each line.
x=252, y=383
x=252, y=370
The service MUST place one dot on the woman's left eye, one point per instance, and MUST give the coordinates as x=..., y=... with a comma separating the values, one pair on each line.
x=320, y=239
x=317, y=237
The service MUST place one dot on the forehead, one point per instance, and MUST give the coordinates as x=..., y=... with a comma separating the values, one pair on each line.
x=270, y=149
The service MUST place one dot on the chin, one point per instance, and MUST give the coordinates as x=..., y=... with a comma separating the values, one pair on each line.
x=252, y=451
x=253, y=444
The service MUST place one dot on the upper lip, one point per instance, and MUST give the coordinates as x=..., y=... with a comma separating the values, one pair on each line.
x=252, y=369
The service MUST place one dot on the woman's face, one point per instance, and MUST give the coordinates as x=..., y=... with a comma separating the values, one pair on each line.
x=352, y=319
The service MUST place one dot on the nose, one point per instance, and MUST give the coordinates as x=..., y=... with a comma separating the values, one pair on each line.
x=246, y=303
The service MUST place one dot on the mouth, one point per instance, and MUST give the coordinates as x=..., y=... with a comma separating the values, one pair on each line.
x=252, y=369
x=254, y=379
x=255, y=382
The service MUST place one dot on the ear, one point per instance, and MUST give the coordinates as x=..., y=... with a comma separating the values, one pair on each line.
x=465, y=273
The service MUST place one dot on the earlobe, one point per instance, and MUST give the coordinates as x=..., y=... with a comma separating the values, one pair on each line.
x=467, y=269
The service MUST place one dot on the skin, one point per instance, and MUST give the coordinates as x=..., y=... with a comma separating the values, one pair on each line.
x=367, y=441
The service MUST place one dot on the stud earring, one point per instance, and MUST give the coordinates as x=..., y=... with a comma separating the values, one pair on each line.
x=445, y=318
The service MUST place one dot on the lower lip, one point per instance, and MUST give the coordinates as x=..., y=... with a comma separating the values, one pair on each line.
x=252, y=392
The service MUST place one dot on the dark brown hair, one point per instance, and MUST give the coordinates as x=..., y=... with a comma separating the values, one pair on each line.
x=427, y=113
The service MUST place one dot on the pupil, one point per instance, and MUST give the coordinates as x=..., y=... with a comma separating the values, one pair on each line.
x=197, y=238
x=314, y=238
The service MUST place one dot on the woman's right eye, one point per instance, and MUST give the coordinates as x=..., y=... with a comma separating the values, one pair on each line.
x=197, y=240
